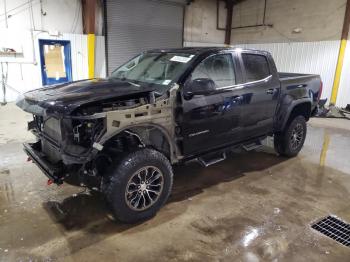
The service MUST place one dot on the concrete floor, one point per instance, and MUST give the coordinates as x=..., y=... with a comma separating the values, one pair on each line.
x=252, y=207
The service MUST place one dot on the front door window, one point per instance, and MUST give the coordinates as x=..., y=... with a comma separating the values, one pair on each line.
x=218, y=68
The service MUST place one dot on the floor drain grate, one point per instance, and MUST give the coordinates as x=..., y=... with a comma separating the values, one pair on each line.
x=334, y=228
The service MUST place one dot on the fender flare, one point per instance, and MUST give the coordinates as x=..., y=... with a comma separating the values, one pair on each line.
x=287, y=112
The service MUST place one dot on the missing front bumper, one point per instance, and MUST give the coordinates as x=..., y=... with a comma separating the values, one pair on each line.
x=54, y=172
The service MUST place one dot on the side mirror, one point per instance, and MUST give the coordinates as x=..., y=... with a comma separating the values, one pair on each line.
x=199, y=86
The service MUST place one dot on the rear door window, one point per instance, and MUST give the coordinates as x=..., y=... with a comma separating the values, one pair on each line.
x=256, y=67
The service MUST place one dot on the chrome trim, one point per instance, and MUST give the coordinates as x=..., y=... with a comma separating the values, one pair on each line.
x=198, y=133
x=266, y=79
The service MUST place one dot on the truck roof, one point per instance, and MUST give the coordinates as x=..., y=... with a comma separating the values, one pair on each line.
x=202, y=50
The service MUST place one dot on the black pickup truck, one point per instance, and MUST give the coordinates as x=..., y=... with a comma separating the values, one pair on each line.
x=121, y=135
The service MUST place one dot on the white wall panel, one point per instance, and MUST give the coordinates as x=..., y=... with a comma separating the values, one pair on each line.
x=61, y=15
x=344, y=89
x=79, y=55
x=305, y=57
x=24, y=73
x=100, y=57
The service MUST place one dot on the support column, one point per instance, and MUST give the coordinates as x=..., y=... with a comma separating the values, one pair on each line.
x=228, y=28
x=91, y=54
x=89, y=7
x=339, y=68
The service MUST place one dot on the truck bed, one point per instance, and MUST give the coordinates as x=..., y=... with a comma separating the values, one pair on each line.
x=285, y=76
x=307, y=85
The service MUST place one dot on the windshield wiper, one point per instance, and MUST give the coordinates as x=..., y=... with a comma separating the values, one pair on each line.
x=123, y=78
x=134, y=84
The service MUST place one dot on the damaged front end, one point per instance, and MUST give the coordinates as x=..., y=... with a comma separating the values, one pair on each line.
x=64, y=144
x=77, y=146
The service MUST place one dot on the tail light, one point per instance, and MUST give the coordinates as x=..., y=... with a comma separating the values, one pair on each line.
x=320, y=91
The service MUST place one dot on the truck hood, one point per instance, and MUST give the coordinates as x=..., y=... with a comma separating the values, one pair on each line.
x=65, y=98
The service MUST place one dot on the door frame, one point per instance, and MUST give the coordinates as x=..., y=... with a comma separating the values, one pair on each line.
x=199, y=103
x=263, y=124
x=67, y=60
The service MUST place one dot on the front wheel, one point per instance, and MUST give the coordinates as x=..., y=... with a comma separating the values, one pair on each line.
x=289, y=142
x=140, y=184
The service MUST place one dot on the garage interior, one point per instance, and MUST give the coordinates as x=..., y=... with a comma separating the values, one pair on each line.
x=254, y=206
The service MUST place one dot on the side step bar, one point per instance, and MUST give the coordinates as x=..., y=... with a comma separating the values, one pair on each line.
x=213, y=158
x=213, y=161
x=253, y=145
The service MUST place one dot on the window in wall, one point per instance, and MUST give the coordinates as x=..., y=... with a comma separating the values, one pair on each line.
x=218, y=68
x=54, y=61
x=256, y=67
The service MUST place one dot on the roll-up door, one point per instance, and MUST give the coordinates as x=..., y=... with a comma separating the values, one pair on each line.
x=134, y=26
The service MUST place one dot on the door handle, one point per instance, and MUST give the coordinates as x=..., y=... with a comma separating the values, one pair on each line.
x=300, y=86
x=270, y=91
x=237, y=98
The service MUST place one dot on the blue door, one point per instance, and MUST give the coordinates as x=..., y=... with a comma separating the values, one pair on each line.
x=56, y=64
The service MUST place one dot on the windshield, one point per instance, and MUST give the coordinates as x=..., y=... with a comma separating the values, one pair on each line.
x=154, y=68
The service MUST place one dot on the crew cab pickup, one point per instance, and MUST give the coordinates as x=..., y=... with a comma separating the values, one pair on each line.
x=123, y=134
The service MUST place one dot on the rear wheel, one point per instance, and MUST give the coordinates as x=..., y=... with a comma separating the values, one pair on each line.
x=291, y=140
x=139, y=186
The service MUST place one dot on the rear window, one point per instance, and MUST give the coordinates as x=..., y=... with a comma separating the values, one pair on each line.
x=256, y=67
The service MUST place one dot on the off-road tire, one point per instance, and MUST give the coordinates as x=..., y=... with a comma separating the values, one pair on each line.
x=283, y=141
x=120, y=174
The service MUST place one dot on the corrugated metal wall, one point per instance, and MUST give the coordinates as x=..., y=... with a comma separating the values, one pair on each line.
x=344, y=89
x=305, y=57
x=25, y=75
x=79, y=55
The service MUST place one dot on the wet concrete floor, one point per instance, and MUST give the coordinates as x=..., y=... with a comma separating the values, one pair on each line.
x=254, y=206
